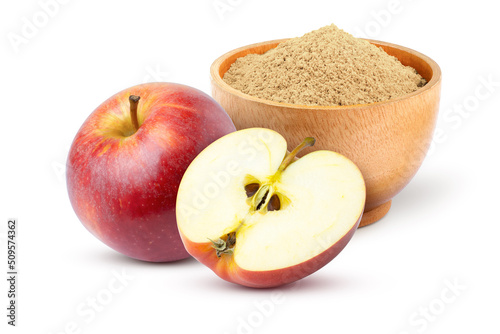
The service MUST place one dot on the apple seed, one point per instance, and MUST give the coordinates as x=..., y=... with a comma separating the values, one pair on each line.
x=251, y=189
x=274, y=203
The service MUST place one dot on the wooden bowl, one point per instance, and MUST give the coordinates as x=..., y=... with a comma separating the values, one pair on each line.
x=387, y=140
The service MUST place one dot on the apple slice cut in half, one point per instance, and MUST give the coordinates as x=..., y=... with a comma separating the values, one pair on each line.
x=257, y=216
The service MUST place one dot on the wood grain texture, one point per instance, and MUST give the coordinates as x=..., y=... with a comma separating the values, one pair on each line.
x=387, y=140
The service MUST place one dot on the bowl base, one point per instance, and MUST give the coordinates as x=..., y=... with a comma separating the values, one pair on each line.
x=375, y=214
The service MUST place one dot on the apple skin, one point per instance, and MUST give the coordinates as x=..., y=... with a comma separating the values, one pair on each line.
x=226, y=268
x=123, y=189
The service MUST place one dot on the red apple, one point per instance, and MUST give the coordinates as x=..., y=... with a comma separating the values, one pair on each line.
x=258, y=217
x=128, y=158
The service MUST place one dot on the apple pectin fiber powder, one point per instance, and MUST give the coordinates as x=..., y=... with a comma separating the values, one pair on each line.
x=326, y=67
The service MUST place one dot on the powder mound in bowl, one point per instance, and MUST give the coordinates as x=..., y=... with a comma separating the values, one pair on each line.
x=326, y=67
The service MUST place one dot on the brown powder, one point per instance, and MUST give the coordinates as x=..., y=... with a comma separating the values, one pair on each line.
x=325, y=67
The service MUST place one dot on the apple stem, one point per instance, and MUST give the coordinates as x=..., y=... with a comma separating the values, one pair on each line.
x=134, y=102
x=309, y=141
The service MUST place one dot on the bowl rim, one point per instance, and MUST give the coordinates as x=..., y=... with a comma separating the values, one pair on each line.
x=217, y=79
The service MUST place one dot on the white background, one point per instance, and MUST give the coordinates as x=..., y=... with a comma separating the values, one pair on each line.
x=442, y=229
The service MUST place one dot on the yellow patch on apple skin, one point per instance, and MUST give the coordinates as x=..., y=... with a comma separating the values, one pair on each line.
x=104, y=150
x=171, y=105
x=116, y=125
x=89, y=212
x=225, y=267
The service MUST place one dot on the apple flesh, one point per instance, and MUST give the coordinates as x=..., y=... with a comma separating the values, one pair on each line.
x=257, y=217
x=128, y=158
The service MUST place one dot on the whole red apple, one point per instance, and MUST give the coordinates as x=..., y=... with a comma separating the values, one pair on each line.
x=128, y=158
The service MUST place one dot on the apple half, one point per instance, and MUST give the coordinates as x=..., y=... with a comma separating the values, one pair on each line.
x=257, y=216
